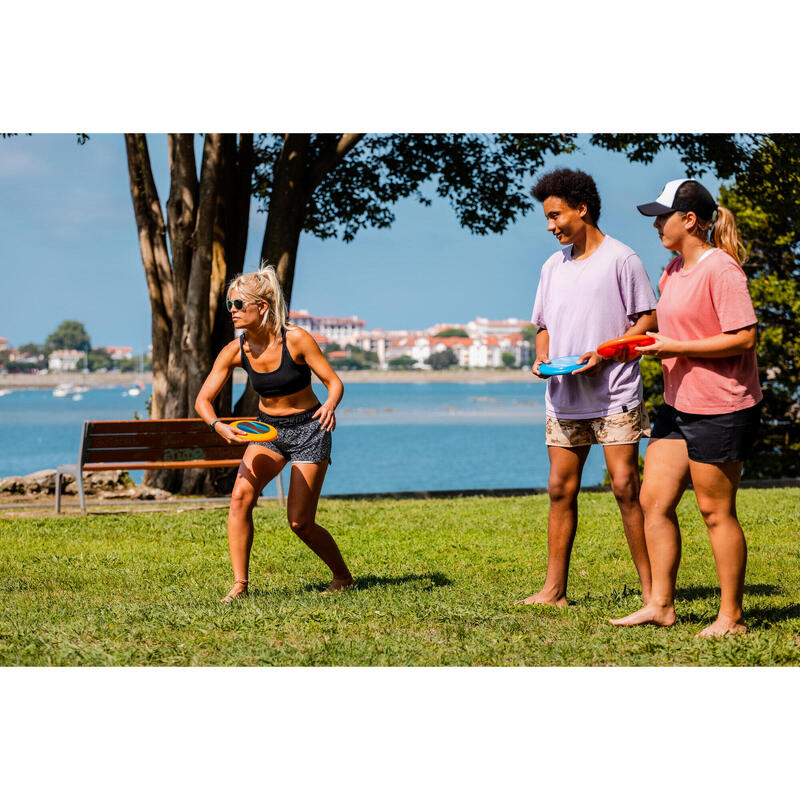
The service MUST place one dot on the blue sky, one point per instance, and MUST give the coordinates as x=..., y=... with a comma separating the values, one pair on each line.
x=69, y=248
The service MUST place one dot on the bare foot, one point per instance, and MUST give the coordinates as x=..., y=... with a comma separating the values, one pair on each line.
x=722, y=626
x=649, y=615
x=239, y=591
x=543, y=598
x=339, y=585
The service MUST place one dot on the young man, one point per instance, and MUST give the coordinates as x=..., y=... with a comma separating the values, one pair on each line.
x=594, y=289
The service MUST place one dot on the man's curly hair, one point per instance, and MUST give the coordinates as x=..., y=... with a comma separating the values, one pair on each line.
x=573, y=187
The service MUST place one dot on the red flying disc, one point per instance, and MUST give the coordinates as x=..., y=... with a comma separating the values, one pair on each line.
x=624, y=346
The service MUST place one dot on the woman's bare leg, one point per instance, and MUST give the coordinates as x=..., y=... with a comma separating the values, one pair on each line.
x=304, y=490
x=715, y=486
x=666, y=476
x=622, y=462
x=564, y=483
x=259, y=466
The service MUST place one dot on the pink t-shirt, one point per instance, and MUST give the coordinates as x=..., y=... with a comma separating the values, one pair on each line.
x=706, y=300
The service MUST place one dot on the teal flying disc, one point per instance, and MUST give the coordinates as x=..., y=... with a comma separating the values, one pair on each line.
x=561, y=366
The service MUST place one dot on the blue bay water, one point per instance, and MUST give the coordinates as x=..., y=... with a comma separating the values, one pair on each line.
x=389, y=436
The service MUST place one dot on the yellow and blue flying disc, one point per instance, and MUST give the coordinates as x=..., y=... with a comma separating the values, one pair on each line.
x=254, y=431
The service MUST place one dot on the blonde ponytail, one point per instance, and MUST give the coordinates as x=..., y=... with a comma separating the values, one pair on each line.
x=263, y=286
x=726, y=236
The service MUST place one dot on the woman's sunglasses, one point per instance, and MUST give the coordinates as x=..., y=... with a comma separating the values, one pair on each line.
x=237, y=304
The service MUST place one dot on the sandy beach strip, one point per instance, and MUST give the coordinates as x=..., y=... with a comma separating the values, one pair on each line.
x=106, y=380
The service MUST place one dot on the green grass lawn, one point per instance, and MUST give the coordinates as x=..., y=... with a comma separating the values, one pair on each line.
x=436, y=580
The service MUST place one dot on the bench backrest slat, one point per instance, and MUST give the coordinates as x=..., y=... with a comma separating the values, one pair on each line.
x=161, y=465
x=121, y=440
x=154, y=453
x=156, y=444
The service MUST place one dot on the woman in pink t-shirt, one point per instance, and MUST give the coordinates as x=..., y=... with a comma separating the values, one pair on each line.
x=709, y=420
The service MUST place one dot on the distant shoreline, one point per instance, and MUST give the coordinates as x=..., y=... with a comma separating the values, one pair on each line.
x=95, y=380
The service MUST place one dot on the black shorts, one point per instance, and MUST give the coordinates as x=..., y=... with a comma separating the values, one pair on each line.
x=300, y=438
x=710, y=438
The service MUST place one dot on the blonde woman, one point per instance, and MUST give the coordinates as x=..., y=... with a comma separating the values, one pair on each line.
x=706, y=340
x=279, y=359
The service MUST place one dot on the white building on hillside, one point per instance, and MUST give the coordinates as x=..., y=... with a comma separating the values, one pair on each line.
x=64, y=360
x=477, y=352
x=342, y=330
x=481, y=326
x=119, y=353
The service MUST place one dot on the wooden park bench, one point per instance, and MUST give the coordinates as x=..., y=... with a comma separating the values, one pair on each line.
x=150, y=444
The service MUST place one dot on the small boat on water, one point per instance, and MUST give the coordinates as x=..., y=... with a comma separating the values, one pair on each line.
x=4, y=392
x=62, y=390
x=135, y=390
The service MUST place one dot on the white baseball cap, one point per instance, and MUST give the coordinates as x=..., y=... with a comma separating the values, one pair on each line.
x=683, y=194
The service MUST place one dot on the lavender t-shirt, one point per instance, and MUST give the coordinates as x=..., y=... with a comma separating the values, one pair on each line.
x=582, y=304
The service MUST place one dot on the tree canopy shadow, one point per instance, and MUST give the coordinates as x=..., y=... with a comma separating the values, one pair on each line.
x=435, y=579
x=703, y=592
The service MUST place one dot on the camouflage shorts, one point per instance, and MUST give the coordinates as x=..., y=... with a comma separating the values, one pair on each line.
x=627, y=427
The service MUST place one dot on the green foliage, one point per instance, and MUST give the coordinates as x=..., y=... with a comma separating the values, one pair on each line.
x=607, y=478
x=435, y=584
x=127, y=364
x=485, y=177
x=99, y=359
x=31, y=349
x=528, y=333
x=727, y=154
x=356, y=359
x=402, y=362
x=442, y=359
x=653, y=383
x=69, y=335
x=449, y=332
x=509, y=360
x=765, y=200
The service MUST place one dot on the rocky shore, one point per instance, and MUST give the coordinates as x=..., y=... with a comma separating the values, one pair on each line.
x=109, y=485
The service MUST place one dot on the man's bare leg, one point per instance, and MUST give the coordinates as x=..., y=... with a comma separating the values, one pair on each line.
x=566, y=467
x=715, y=486
x=666, y=476
x=622, y=462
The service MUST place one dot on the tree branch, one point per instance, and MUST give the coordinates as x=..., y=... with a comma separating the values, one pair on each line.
x=329, y=159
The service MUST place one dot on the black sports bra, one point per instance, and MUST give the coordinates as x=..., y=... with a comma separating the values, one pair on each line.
x=290, y=377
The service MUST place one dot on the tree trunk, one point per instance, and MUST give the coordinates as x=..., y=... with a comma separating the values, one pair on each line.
x=298, y=172
x=229, y=249
x=287, y=209
x=207, y=225
x=181, y=215
x=155, y=259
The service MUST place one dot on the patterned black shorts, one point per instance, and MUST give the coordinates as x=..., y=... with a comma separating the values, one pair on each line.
x=300, y=438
